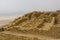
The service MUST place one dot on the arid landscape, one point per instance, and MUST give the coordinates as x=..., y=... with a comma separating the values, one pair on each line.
x=34, y=25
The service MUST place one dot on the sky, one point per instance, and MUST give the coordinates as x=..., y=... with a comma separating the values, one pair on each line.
x=20, y=7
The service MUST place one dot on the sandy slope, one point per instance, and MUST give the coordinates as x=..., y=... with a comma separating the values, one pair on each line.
x=22, y=34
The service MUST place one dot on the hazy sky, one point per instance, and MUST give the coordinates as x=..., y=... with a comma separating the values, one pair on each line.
x=18, y=7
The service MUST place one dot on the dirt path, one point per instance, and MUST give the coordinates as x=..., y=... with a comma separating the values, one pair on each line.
x=29, y=35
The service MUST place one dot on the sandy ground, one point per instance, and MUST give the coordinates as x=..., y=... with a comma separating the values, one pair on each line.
x=29, y=35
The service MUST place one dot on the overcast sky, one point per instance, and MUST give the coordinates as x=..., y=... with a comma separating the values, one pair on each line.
x=19, y=7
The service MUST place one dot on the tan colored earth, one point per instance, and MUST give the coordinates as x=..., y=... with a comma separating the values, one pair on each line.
x=33, y=26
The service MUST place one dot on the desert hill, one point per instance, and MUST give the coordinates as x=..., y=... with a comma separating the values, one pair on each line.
x=37, y=24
